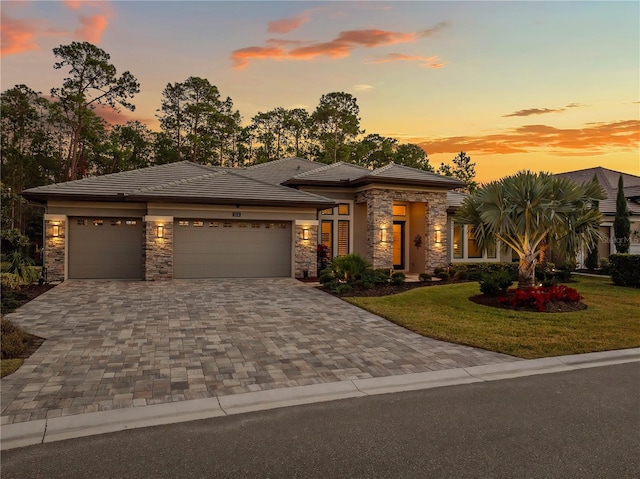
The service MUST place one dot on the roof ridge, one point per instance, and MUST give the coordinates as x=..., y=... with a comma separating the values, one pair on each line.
x=279, y=160
x=384, y=168
x=327, y=167
x=179, y=182
x=267, y=183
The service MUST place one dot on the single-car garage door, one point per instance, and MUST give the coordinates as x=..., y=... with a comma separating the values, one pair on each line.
x=231, y=249
x=105, y=248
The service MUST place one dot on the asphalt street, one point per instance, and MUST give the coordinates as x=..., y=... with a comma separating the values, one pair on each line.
x=577, y=424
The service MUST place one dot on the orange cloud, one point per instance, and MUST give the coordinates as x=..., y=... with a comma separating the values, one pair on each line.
x=18, y=36
x=92, y=28
x=592, y=139
x=287, y=25
x=427, y=62
x=241, y=57
x=339, y=47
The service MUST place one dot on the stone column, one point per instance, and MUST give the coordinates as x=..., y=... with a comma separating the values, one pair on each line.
x=55, y=242
x=379, y=219
x=158, y=251
x=305, y=254
x=436, y=220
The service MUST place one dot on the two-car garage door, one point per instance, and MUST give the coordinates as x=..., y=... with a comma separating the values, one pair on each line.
x=231, y=249
x=112, y=248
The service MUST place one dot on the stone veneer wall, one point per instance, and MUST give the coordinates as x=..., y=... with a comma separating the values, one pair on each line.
x=306, y=252
x=54, y=252
x=158, y=252
x=380, y=214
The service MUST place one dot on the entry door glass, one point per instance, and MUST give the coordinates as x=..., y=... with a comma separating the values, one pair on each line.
x=398, y=245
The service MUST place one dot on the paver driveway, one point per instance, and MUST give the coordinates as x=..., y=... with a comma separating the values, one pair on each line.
x=116, y=344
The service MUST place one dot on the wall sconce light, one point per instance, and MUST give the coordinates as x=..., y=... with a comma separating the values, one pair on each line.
x=55, y=231
x=305, y=233
x=438, y=236
x=383, y=235
x=160, y=231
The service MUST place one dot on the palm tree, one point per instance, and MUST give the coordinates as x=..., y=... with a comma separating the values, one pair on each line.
x=526, y=209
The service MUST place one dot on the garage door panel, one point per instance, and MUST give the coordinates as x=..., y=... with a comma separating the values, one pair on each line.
x=105, y=248
x=237, y=250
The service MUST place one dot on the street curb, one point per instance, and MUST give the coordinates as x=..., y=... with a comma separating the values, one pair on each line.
x=68, y=427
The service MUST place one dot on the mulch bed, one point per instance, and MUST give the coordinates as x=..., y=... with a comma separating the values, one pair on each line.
x=551, y=307
x=385, y=289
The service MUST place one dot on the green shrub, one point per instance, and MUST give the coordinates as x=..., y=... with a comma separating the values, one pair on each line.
x=625, y=269
x=374, y=277
x=342, y=288
x=476, y=271
x=493, y=283
x=14, y=339
x=398, y=277
x=326, y=277
x=605, y=265
x=461, y=275
x=437, y=271
x=443, y=275
x=424, y=277
x=349, y=267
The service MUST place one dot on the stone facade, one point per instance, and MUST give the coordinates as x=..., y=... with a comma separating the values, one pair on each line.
x=54, y=253
x=379, y=203
x=305, y=255
x=158, y=252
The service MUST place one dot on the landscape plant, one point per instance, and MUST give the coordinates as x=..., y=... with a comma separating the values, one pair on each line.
x=527, y=211
x=621, y=223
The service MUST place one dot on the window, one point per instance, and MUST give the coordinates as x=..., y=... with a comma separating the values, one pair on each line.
x=343, y=237
x=131, y=222
x=472, y=245
x=82, y=222
x=116, y=222
x=227, y=224
x=98, y=222
x=255, y=225
x=282, y=226
x=213, y=224
x=326, y=234
x=458, y=252
x=242, y=225
x=183, y=223
x=343, y=209
x=492, y=250
x=328, y=211
x=198, y=224
x=399, y=210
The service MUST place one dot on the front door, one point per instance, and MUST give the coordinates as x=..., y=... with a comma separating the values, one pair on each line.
x=398, y=244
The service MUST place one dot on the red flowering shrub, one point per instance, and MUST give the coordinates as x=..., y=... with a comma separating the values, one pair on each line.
x=541, y=296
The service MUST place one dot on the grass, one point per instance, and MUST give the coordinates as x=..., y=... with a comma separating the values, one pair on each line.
x=9, y=366
x=611, y=320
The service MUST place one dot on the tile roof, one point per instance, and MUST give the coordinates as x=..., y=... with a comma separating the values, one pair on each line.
x=278, y=171
x=608, y=179
x=393, y=173
x=455, y=199
x=179, y=182
x=336, y=172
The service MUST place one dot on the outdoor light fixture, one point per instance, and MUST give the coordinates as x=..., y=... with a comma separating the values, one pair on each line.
x=438, y=236
x=160, y=232
x=383, y=234
x=305, y=233
x=56, y=231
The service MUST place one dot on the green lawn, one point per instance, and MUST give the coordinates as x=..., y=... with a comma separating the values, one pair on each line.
x=611, y=321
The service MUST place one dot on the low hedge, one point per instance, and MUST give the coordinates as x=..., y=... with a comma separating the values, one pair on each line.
x=477, y=271
x=625, y=269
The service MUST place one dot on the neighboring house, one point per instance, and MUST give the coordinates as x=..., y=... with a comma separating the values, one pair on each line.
x=608, y=179
x=184, y=220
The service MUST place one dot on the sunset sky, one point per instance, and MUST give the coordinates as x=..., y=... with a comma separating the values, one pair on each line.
x=551, y=86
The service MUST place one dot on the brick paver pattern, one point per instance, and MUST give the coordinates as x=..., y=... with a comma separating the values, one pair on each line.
x=120, y=344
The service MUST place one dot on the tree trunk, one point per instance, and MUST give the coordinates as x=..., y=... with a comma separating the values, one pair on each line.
x=526, y=271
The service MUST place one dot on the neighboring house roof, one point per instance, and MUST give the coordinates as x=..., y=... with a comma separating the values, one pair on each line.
x=454, y=200
x=329, y=174
x=179, y=182
x=608, y=179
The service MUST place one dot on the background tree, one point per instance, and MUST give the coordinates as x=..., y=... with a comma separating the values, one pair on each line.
x=524, y=209
x=130, y=148
x=92, y=80
x=335, y=122
x=621, y=223
x=374, y=151
x=411, y=155
x=463, y=169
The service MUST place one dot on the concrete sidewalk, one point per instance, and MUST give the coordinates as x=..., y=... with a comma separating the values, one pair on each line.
x=61, y=428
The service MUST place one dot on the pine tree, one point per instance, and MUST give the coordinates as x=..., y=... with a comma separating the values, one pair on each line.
x=621, y=224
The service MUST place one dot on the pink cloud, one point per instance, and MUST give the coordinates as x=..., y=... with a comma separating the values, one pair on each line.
x=19, y=36
x=287, y=25
x=92, y=28
x=339, y=47
x=427, y=62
